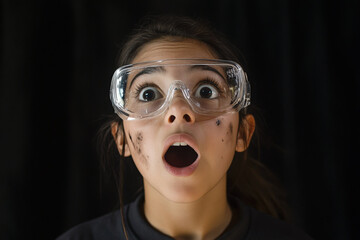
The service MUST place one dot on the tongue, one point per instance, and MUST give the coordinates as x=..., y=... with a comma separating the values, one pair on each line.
x=180, y=156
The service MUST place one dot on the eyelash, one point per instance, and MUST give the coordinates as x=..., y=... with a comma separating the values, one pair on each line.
x=207, y=80
x=213, y=83
x=141, y=86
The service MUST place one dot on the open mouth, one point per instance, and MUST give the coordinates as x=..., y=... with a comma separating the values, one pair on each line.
x=180, y=155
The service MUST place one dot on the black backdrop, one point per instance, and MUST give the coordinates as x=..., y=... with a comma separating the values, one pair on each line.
x=57, y=59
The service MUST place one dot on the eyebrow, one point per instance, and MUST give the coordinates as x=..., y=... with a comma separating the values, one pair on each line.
x=148, y=70
x=208, y=68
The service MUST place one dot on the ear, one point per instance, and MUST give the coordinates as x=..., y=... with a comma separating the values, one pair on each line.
x=118, y=134
x=245, y=132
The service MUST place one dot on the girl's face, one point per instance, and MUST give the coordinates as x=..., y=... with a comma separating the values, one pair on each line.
x=181, y=173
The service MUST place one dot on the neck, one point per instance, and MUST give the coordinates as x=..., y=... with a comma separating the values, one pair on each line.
x=204, y=218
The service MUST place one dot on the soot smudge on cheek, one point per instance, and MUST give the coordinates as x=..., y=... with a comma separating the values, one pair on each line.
x=137, y=144
x=231, y=128
x=229, y=133
x=137, y=147
x=139, y=136
x=139, y=139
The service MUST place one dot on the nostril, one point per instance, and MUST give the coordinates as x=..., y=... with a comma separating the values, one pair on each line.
x=171, y=118
x=187, y=118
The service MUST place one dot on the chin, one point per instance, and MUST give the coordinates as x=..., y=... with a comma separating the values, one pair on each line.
x=183, y=194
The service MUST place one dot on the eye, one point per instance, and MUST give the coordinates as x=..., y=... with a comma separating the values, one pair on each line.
x=148, y=94
x=206, y=91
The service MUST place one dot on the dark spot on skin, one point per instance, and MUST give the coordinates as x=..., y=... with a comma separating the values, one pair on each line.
x=218, y=122
x=229, y=133
x=231, y=128
x=137, y=147
x=137, y=144
x=139, y=137
x=222, y=140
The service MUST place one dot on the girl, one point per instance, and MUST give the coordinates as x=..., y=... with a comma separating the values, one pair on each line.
x=185, y=119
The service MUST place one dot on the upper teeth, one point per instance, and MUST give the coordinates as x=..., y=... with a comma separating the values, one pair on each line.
x=179, y=144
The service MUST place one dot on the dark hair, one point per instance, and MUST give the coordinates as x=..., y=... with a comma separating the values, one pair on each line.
x=175, y=28
x=248, y=178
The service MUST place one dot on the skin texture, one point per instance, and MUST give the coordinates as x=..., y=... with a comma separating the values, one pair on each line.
x=183, y=206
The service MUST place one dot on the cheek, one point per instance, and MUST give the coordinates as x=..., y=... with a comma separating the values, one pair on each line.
x=136, y=144
x=137, y=139
x=220, y=140
x=225, y=130
x=226, y=142
x=220, y=144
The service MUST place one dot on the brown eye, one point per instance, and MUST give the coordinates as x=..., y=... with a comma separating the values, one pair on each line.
x=206, y=91
x=148, y=94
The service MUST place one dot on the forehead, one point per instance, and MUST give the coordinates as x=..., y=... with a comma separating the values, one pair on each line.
x=165, y=49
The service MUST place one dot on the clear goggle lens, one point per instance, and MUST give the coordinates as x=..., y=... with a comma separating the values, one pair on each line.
x=211, y=87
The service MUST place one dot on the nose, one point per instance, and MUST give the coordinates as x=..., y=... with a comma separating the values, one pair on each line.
x=179, y=112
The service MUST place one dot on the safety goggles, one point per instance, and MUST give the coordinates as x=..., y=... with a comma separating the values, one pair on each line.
x=210, y=87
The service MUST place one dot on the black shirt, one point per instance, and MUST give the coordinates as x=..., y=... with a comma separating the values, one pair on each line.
x=247, y=224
